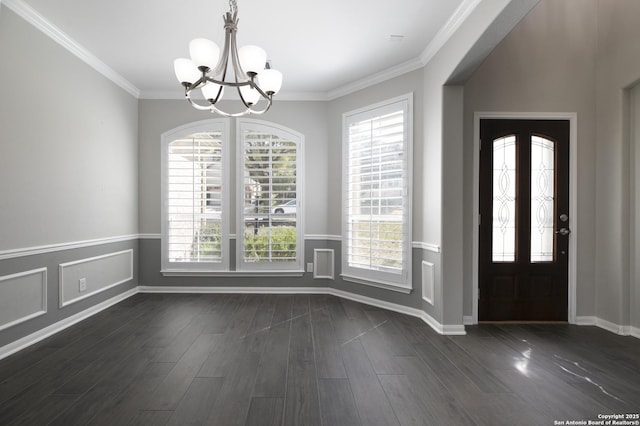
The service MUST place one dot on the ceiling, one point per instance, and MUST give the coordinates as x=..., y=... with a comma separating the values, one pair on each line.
x=323, y=48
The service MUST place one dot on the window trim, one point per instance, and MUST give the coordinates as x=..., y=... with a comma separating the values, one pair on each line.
x=283, y=267
x=215, y=124
x=396, y=282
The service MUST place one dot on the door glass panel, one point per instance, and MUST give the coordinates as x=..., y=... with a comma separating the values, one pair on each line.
x=542, y=199
x=504, y=199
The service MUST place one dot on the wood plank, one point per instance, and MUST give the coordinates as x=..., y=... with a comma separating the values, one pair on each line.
x=134, y=397
x=265, y=412
x=195, y=407
x=302, y=405
x=232, y=405
x=325, y=343
x=48, y=408
x=373, y=406
x=175, y=385
x=151, y=418
x=105, y=391
x=336, y=400
x=271, y=377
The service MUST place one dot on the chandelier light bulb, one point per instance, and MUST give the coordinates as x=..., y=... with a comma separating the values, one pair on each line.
x=204, y=53
x=270, y=81
x=250, y=95
x=252, y=59
x=186, y=71
x=210, y=91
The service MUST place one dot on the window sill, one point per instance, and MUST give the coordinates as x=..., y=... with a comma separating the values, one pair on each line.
x=380, y=284
x=186, y=273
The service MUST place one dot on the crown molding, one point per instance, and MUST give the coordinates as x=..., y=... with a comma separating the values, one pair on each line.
x=448, y=29
x=30, y=15
x=384, y=75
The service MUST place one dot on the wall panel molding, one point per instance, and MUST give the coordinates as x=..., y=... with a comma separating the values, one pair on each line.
x=23, y=296
x=100, y=273
x=428, y=282
x=323, y=263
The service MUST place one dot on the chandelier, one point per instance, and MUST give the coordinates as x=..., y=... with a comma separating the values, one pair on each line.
x=252, y=76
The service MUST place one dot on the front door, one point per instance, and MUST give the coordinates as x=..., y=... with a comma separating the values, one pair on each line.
x=524, y=220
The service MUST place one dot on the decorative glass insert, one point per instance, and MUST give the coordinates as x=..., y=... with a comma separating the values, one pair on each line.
x=504, y=200
x=194, y=198
x=542, y=199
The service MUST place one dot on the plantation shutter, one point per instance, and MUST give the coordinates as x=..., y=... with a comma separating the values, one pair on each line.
x=271, y=231
x=194, y=183
x=376, y=200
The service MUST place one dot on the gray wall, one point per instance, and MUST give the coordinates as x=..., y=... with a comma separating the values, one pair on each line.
x=572, y=56
x=634, y=159
x=69, y=143
x=68, y=167
x=443, y=202
x=546, y=64
x=617, y=69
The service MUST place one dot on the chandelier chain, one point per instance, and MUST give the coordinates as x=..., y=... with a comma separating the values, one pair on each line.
x=233, y=6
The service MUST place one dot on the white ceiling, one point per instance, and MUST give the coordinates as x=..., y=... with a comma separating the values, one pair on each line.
x=322, y=47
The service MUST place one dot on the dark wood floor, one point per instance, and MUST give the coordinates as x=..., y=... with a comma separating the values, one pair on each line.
x=311, y=360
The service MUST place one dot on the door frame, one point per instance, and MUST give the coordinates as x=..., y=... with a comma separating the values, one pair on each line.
x=573, y=184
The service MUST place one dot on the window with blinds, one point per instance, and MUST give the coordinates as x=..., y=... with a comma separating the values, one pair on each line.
x=270, y=230
x=376, y=194
x=195, y=234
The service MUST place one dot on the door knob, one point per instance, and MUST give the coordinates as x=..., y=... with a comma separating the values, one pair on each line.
x=563, y=231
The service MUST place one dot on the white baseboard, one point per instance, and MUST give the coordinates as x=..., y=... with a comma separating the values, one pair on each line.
x=237, y=290
x=42, y=334
x=467, y=320
x=440, y=328
x=622, y=330
x=586, y=320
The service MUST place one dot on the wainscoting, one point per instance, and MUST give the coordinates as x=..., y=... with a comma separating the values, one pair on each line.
x=40, y=286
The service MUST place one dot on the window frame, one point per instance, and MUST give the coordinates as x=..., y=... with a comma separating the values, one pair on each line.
x=210, y=125
x=243, y=124
x=401, y=282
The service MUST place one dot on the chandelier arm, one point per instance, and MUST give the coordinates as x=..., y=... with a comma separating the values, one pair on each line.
x=214, y=109
x=259, y=89
x=197, y=105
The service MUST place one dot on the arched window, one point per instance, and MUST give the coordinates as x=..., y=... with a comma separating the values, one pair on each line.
x=195, y=188
x=198, y=202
